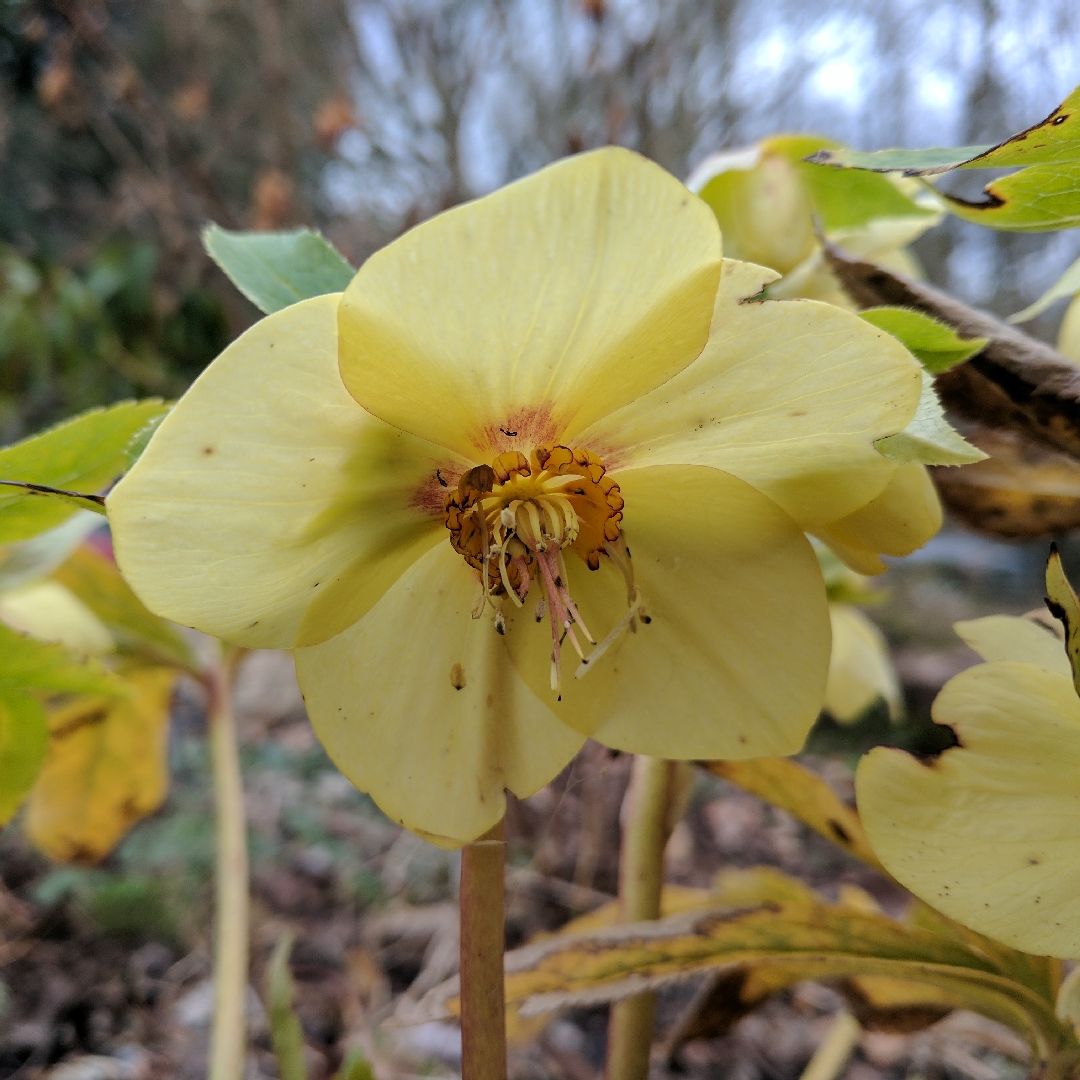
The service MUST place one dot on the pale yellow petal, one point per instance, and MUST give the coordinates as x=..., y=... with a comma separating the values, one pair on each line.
x=524, y=316
x=51, y=612
x=882, y=240
x=419, y=706
x=1010, y=637
x=269, y=509
x=733, y=660
x=902, y=518
x=862, y=562
x=788, y=395
x=1068, y=342
x=989, y=832
x=860, y=670
x=762, y=205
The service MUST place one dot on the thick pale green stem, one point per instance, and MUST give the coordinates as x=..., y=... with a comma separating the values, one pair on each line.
x=836, y=1048
x=228, y=1046
x=654, y=803
x=483, y=1008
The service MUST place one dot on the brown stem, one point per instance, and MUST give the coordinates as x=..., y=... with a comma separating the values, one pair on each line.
x=653, y=805
x=483, y=940
x=1016, y=382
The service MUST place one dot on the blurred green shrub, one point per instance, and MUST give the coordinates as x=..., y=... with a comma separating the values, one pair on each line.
x=72, y=339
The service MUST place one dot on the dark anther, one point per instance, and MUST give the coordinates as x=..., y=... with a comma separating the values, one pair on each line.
x=438, y=476
x=480, y=479
x=508, y=434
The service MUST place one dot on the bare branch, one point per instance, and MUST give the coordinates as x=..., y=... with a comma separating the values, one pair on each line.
x=1016, y=383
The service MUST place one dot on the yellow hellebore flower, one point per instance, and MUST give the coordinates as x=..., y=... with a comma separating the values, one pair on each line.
x=766, y=199
x=538, y=474
x=988, y=832
x=1068, y=340
x=860, y=669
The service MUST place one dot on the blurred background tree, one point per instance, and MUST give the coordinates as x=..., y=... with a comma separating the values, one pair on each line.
x=125, y=126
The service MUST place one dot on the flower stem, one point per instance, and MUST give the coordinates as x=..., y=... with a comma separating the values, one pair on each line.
x=228, y=1045
x=483, y=1010
x=654, y=803
x=835, y=1049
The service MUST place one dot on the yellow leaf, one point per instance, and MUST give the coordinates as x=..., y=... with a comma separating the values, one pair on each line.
x=786, y=784
x=731, y=887
x=104, y=770
x=766, y=947
x=1062, y=602
x=1042, y=974
x=759, y=885
x=883, y=1003
x=857, y=898
x=673, y=899
x=49, y=612
x=96, y=581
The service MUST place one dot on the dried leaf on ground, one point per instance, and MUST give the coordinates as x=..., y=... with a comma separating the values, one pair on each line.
x=775, y=945
x=794, y=788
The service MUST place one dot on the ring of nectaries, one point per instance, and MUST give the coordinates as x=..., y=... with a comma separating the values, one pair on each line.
x=514, y=519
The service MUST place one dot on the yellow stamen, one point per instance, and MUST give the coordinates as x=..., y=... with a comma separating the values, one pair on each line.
x=515, y=519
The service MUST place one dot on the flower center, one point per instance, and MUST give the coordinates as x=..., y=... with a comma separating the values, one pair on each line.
x=514, y=519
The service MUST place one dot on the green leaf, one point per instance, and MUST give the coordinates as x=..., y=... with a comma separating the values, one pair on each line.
x=285, y=1029
x=936, y=346
x=929, y=439
x=85, y=454
x=1042, y=199
x=142, y=437
x=27, y=667
x=1053, y=141
x=24, y=738
x=355, y=1067
x=276, y=269
x=938, y=159
x=96, y=581
x=1066, y=285
x=1043, y=195
x=79, y=500
x=29, y=664
x=844, y=200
